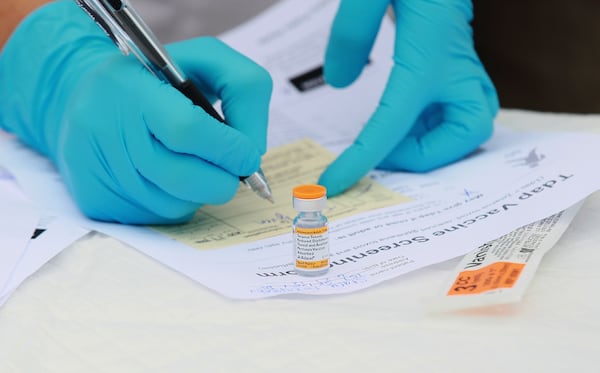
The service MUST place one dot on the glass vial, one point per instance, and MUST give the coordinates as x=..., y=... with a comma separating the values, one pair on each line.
x=311, y=234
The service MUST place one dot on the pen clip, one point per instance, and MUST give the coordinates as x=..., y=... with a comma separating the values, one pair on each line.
x=104, y=18
x=96, y=10
x=144, y=42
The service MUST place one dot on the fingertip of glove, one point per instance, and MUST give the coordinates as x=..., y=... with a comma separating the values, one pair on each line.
x=334, y=185
x=338, y=75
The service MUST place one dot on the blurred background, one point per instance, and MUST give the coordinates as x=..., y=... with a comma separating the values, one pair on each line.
x=541, y=55
x=174, y=20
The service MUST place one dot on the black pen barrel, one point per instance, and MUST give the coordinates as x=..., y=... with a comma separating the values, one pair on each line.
x=189, y=89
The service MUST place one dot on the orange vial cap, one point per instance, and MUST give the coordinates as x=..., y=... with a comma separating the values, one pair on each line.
x=309, y=191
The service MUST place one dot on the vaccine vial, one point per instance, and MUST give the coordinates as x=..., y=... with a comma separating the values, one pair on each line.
x=311, y=234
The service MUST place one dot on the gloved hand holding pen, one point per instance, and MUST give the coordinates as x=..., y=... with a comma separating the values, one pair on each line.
x=439, y=103
x=129, y=147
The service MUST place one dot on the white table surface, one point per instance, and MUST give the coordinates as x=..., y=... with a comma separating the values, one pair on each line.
x=101, y=306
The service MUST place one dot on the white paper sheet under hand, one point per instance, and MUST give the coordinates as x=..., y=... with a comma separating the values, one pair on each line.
x=51, y=236
x=18, y=221
x=30, y=237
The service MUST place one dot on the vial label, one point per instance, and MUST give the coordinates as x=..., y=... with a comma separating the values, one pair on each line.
x=312, y=248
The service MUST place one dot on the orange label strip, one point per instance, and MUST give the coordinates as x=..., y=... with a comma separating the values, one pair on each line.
x=304, y=264
x=494, y=276
x=318, y=230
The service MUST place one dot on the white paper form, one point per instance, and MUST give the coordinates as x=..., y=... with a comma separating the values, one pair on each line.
x=515, y=179
x=289, y=40
x=456, y=209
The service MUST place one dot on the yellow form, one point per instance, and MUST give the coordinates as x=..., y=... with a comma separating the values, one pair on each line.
x=249, y=218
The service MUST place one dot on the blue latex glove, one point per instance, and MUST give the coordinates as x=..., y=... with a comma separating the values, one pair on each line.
x=131, y=148
x=439, y=103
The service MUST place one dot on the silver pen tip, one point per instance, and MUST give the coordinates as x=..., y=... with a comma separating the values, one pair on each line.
x=258, y=183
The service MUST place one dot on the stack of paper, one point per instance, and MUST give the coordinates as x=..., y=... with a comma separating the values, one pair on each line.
x=30, y=238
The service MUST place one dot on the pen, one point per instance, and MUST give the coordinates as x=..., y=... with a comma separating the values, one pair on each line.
x=127, y=29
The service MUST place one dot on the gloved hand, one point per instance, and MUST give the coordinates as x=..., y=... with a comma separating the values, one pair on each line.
x=439, y=103
x=131, y=148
